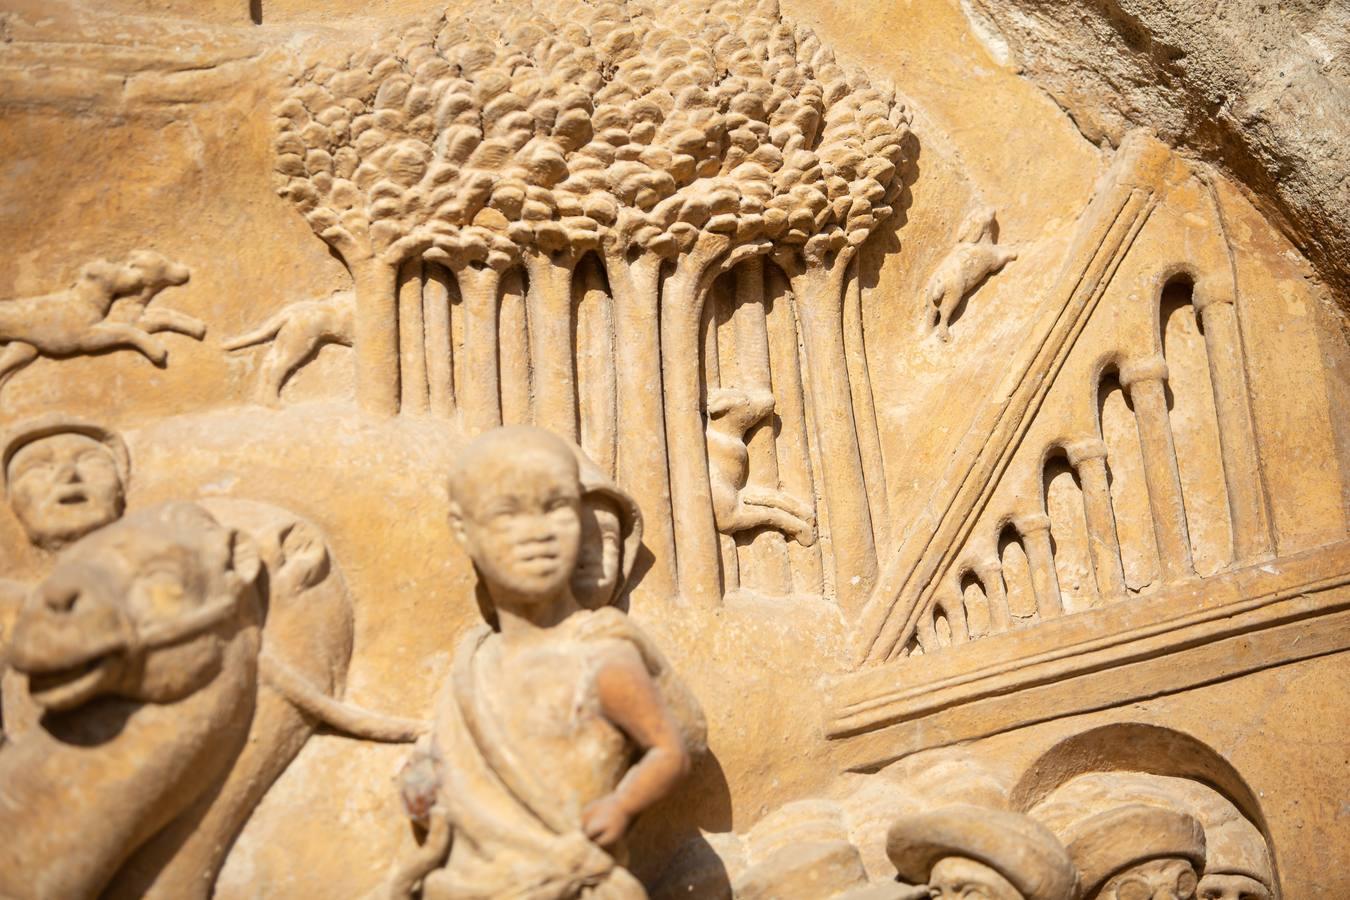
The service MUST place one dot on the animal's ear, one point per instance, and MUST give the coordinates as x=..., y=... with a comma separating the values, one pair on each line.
x=102, y=271
x=977, y=223
x=245, y=561
x=304, y=557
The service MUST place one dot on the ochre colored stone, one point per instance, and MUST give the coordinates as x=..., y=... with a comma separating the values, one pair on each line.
x=699, y=449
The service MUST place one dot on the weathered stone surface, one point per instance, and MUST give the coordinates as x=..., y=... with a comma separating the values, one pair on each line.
x=1258, y=87
x=941, y=476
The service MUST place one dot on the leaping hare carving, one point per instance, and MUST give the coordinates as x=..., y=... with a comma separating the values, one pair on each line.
x=974, y=258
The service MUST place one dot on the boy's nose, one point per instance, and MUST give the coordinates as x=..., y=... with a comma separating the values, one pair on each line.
x=540, y=533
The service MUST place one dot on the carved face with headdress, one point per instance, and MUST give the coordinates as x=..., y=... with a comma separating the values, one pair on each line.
x=1138, y=852
x=64, y=478
x=965, y=852
x=611, y=532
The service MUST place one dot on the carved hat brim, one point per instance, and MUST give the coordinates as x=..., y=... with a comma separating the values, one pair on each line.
x=26, y=432
x=1110, y=842
x=594, y=482
x=1020, y=849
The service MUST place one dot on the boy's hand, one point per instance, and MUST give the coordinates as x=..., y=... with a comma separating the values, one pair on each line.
x=605, y=821
x=418, y=785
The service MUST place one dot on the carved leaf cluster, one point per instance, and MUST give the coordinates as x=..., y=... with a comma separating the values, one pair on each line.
x=529, y=127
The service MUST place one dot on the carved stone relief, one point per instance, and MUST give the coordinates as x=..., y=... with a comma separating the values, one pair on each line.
x=296, y=334
x=970, y=262
x=639, y=539
x=107, y=308
x=559, y=724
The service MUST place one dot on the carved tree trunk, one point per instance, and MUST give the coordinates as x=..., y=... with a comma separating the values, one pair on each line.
x=481, y=394
x=595, y=366
x=819, y=293
x=440, y=354
x=376, y=335
x=697, y=555
x=549, y=305
x=414, y=389
x=766, y=554
x=643, y=466
x=864, y=408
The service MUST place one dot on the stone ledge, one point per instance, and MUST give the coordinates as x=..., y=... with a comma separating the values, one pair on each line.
x=1181, y=637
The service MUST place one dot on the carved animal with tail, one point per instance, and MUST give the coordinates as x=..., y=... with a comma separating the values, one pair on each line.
x=176, y=685
x=297, y=332
x=737, y=505
x=88, y=318
x=964, y=268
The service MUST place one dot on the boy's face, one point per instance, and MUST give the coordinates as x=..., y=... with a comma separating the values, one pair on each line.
x=520, y=522
x=597, y=572
x=63, y=487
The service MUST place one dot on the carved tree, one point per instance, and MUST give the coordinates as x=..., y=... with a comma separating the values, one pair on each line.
x=687, y=137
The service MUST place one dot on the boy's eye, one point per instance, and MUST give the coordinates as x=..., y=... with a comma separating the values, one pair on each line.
x=34, y=464
x=502, y=509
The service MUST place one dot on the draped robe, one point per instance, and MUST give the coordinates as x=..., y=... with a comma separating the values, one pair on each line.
x=521, y=750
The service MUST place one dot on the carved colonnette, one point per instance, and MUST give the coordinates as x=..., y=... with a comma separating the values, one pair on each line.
x=1014, y=602
x=989, y=562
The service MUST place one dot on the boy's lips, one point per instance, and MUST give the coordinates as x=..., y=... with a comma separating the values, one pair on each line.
x=72, y=496
x=545, y=563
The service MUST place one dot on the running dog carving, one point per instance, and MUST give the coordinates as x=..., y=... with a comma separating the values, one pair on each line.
x=88, y=318
x=297, y=332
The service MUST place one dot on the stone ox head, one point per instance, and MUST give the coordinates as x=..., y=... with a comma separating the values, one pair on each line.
x=141, y=609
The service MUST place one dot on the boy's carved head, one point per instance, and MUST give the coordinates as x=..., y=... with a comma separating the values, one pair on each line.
x=515, y=506
x=597, y=574
x=64, y=477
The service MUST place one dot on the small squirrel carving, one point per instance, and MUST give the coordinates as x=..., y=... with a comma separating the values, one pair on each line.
x=974, y=258
x=737, y=505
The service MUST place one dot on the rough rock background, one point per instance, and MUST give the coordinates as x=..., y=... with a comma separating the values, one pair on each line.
x=1261, y=87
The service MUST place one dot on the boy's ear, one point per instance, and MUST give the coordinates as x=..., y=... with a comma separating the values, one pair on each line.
x=457, y=524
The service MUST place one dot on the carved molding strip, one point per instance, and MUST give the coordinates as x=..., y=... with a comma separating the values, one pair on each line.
x=1199, y=616
x=1116, y=214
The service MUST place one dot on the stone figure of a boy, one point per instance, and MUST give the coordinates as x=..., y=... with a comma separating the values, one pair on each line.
x=64, y=478
x=558, y=724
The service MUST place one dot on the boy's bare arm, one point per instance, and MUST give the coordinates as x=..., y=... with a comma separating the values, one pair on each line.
x=631, y=700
